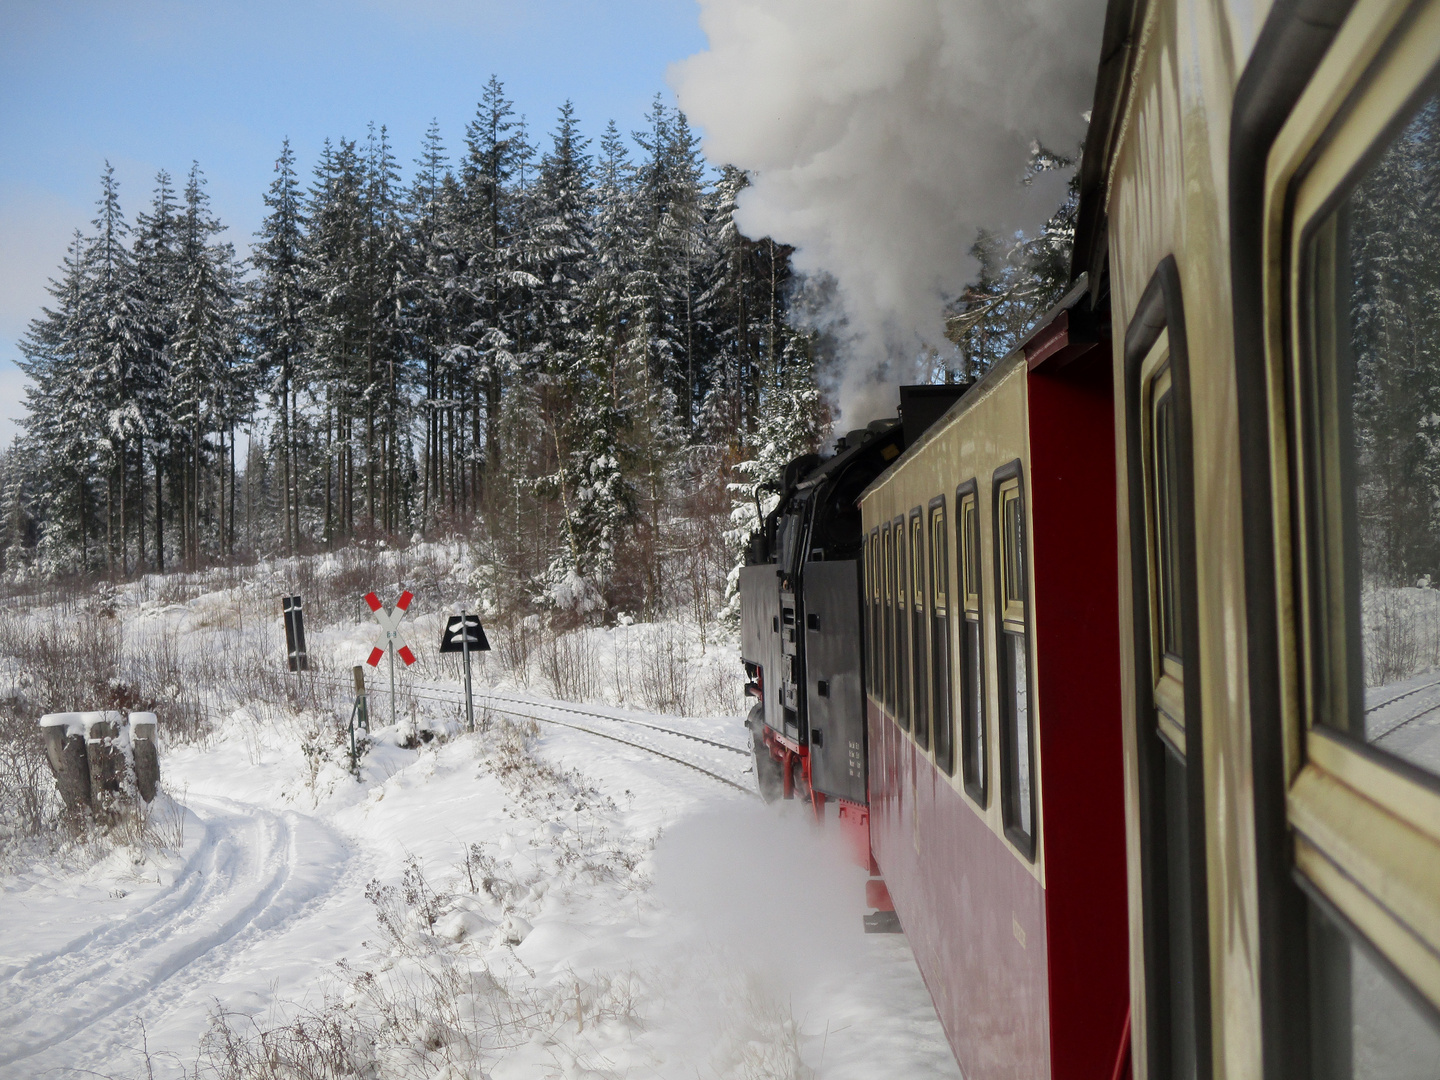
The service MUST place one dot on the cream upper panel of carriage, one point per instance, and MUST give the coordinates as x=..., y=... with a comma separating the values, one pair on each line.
x=1168, y=186
x=970, y=444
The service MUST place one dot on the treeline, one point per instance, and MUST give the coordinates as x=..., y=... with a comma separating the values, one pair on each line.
x=561, y=349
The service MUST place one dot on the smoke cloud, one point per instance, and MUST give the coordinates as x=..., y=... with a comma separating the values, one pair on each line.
x=880, y=137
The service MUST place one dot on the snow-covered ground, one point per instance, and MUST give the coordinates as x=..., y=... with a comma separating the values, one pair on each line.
x=547, y=897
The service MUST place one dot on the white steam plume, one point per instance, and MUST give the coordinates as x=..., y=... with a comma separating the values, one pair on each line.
x=881, y=135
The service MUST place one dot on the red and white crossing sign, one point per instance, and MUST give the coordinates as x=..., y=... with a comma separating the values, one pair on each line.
x=390, y=636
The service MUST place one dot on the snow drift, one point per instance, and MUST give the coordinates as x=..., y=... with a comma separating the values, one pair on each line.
x=881, y=137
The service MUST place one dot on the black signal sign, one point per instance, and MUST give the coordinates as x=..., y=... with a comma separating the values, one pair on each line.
x=299, y=659
x=473, y=637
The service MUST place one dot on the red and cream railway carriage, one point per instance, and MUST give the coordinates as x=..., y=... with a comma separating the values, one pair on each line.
x=992, y=674
x=1149, y=632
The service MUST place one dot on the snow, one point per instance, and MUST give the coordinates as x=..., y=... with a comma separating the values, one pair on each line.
x=562, y=904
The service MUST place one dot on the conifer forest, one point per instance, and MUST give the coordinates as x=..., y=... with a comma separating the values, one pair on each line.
x=559, y=347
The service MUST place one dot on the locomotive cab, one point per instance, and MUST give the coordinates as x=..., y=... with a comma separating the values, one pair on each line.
x=802, y=634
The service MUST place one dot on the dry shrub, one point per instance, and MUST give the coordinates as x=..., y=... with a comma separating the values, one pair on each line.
x=569, y=666
x=665, y=672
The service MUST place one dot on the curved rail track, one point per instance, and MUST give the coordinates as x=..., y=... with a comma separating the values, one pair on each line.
x=432, y=692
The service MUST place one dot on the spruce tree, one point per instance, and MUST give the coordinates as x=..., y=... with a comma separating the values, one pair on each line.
x=158, y=270
x=277, y=327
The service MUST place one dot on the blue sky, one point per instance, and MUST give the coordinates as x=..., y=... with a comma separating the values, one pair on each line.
x=152, y=84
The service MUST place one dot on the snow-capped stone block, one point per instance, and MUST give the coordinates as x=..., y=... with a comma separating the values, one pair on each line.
x=65, y=749
x=144, y=754
x=72, y=722
x=105, y=749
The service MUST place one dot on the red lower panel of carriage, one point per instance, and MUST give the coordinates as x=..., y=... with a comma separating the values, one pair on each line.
x=973, y=912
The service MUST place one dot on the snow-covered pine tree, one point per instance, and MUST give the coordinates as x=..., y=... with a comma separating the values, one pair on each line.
x=493, y=271
x=157, y=268
x=276, y=325
x=1394, y=316
x=209, y=386
x=336, y=316
x=19, y=524
x=560, y=239
x=63, y=415
x=1019, y=278
x=118, y=344
x=430, y=212
x=388, y=293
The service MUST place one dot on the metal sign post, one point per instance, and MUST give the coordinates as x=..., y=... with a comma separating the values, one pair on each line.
x=464, y=634
x=361, y=713
x=297, y=658
x=390, y=639
x=362, y=705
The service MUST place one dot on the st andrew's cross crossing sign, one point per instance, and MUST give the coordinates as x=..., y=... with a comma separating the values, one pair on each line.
x=390, y=636
x=390, y=639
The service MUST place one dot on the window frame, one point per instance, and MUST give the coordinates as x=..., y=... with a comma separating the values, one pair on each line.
x=874, y=620
x=974, y=775
x=1012, y=621
x=942, y=666
x=1167, y=670
x=901, y=552
x=1156, y=333
x=887, y=572
x=919, y=643
x=1366, y=824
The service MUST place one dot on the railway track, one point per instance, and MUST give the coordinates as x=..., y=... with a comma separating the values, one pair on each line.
x=486, y=699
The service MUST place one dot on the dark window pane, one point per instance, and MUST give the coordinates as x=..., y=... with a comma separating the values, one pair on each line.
x=1375, y=277
x=940, y=707
x=888, y=568
x=1364, y=1026
x=1014, y=552
x=918, y=635
x=902, y=631
x=974, y=761
x=972, y=549
x=972, y=709
x=1019, y=795
x=1167, y=524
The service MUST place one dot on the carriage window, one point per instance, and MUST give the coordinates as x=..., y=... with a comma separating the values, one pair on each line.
x=1017, y=751
x=887, y=571
x=920, y=682
x=974, y=760
x=874, y=676
x=1375, y=282
x=1368, y=375
x=902, y=627
x=869, y=650
x=941, y=722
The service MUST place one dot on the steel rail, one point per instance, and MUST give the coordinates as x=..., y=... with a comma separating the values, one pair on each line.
x=568, y=708
x=436, y=691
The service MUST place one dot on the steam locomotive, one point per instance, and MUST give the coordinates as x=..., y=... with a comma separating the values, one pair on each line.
x=1113, y=665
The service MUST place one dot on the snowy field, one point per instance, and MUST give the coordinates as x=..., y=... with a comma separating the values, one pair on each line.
x=546, y=897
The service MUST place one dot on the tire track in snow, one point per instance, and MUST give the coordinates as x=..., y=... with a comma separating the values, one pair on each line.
x=247, y=878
